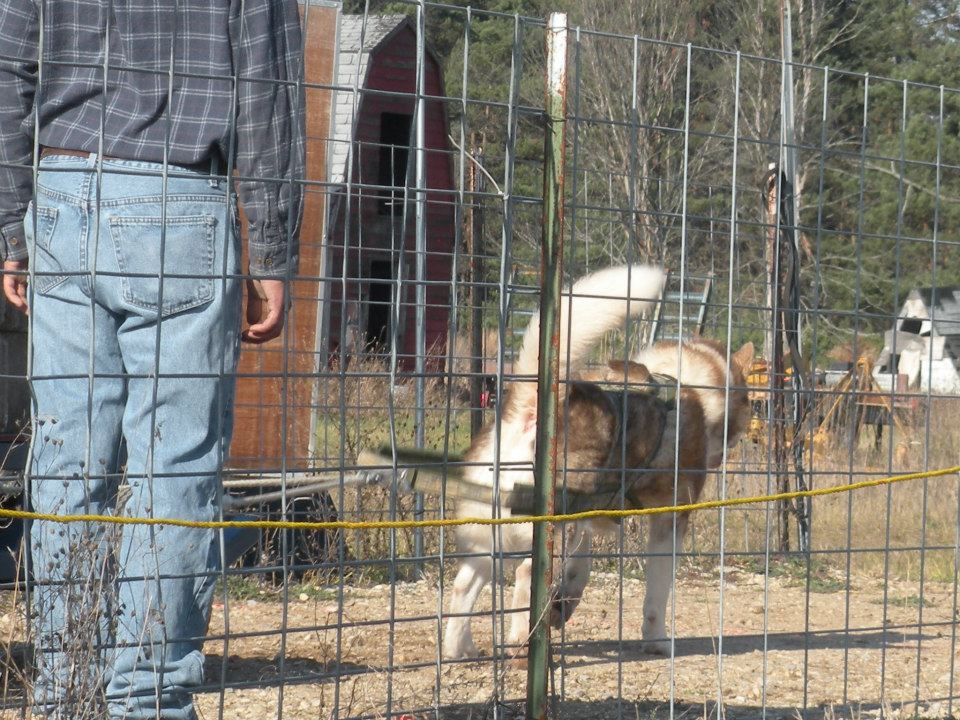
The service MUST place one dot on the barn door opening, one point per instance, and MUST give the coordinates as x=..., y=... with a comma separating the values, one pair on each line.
x=379, y=302
x=393, y=156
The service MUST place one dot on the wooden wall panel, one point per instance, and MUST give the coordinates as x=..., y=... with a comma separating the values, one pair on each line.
x=261, y=412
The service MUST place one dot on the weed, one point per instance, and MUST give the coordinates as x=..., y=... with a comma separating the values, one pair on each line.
x=793, y=569
x=313, y=592
x=240, y=587
x=905, y=601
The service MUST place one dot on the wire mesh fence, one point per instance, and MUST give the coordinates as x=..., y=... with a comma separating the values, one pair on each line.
x=793, y=223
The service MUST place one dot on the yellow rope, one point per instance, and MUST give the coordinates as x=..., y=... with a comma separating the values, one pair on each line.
x=448, y=522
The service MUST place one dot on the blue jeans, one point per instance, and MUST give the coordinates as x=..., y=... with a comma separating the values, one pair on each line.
x=123, y=360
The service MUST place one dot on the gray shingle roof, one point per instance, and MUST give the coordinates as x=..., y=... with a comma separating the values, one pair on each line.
x=945, y=305
x=358, y=40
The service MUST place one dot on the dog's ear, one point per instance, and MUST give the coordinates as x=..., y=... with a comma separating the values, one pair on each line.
x=743, y=357
x=530, y=421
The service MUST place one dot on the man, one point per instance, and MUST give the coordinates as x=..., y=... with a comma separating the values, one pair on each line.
x=136, y=114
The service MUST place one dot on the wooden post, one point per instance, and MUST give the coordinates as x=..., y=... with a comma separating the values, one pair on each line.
x=476, y=186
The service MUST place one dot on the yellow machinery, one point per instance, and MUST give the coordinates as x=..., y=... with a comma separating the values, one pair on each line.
x=758, y=380
x=840, y=412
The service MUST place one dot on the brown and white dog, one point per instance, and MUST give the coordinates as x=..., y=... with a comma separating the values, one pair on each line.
x=612, y=436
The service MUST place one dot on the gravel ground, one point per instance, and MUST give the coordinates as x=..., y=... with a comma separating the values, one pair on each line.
x=845, y=665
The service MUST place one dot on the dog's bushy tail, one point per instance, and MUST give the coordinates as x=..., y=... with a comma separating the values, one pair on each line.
x=600, y=302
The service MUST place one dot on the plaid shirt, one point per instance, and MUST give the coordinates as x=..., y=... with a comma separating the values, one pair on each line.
x=144, y=111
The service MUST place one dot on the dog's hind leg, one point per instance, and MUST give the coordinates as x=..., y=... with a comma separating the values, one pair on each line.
x=659, y=571
x=474, y=574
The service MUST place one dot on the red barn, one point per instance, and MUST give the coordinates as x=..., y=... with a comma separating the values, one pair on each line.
x=361, y=88
x=372, y=161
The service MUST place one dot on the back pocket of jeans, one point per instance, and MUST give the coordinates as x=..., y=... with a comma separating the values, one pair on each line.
x=47, y=268
x=178, y=248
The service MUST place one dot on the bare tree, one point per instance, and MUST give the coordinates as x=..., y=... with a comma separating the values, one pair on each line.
x=631, y=104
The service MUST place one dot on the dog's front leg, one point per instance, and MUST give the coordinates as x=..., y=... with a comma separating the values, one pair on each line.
x=520, y=616
x=474, y=573
x=572, y=575
x=574, y=572
x=659, y=571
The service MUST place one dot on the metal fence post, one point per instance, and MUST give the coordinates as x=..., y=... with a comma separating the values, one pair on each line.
x=545, y=463
x=420, y=266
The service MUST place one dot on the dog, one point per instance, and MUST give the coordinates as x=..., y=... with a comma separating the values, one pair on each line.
x=616, y=440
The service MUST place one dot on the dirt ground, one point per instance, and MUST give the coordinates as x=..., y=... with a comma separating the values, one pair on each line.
x=827, y=672
x=847, y=664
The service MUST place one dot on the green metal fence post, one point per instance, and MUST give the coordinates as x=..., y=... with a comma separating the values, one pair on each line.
x=545, y=463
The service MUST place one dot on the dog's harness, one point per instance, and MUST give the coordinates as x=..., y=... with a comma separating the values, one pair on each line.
x=663, y=388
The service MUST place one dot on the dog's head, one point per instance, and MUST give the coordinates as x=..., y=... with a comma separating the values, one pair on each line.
x=738, y=404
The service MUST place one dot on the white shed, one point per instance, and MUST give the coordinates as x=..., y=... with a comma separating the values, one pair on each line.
x=924, y=345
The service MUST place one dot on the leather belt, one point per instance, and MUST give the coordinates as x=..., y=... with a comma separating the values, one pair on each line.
x=208, y=167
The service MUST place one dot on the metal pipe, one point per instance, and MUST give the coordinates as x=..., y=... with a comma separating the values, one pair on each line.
x=233, y=502
x=506, y=249
x=420, y=271
x=548, y=371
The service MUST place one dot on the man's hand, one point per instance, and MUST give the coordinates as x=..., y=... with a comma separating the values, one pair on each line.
x=265, y=310
x=15, y=284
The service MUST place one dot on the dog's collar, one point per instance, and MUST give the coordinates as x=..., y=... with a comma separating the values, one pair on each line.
x=663, y=387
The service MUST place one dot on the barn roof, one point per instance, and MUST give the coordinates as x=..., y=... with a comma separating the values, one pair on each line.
x=358, y=41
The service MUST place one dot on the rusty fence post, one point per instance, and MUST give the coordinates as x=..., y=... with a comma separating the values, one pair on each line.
x=548, y=372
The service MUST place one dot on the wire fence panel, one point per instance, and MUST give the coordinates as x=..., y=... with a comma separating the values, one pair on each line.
x=760, y=300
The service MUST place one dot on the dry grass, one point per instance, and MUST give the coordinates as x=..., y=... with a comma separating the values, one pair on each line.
x=919, y=513
x=365, y=411
x=355, y=412
x=14, y=652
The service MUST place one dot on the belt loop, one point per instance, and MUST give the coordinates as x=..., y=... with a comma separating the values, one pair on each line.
x=214, y=169
x=92, y=159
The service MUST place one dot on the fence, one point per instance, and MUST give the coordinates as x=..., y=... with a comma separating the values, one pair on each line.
x=809, y=210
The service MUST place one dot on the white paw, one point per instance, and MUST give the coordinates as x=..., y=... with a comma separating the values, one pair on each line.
x=656, y=647
x=655, y=638
x=517, y=644
x=460, y=649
